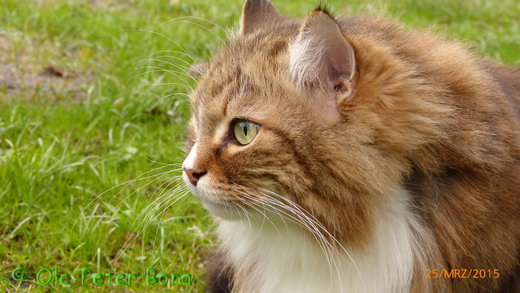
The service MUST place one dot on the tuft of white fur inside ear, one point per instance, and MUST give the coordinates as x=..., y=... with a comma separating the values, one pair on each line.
x=306, y=60
x=321, y=56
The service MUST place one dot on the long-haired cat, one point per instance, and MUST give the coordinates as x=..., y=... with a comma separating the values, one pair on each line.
x=352, y=155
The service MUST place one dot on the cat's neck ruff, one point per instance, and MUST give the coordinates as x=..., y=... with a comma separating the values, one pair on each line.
x=286, y=259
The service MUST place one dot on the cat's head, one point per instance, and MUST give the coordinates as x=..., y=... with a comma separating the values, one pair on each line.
x=292, y=112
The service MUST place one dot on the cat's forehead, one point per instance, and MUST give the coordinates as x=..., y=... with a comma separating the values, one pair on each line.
x=244, y=78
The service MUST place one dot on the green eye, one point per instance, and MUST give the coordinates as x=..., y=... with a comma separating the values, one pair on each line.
x=245, y=131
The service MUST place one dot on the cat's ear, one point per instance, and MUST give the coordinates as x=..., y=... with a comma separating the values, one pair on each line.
x=322, y=58
x=258, y=13
x=198, y=69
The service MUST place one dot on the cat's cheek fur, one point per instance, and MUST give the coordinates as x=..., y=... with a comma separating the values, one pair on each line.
x=288, y=259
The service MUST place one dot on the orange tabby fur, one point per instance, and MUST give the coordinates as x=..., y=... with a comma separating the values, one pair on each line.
x=427, y=114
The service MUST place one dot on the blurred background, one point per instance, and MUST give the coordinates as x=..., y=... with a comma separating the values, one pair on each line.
x=93, y=107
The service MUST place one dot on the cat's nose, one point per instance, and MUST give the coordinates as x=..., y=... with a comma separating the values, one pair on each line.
x=194, y=175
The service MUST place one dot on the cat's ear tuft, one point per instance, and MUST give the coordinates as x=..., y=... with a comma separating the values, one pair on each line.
x=198, y=69
x=322, y=58
x=323, y=7
x=258, y=13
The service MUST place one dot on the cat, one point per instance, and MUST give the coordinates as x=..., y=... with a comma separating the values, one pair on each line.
x=352, y=155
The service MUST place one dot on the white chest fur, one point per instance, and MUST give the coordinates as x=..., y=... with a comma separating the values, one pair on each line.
x=287, y=260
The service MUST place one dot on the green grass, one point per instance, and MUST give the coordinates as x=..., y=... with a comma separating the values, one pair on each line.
x=82, y=161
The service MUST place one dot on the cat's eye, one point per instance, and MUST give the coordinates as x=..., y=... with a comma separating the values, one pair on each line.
x=245, y=131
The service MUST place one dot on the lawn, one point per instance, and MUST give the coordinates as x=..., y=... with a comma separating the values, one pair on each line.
x=93, y=107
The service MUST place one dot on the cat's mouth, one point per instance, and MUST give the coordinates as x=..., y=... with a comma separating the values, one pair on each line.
x=229, y=202
x=213, y=202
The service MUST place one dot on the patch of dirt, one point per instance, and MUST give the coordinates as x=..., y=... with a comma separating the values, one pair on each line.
x=36, y=70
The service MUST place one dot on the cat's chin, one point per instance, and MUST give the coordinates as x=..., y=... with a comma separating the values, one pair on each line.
x=223, y=210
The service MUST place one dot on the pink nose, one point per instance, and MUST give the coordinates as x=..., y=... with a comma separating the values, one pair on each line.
x=194, y=175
